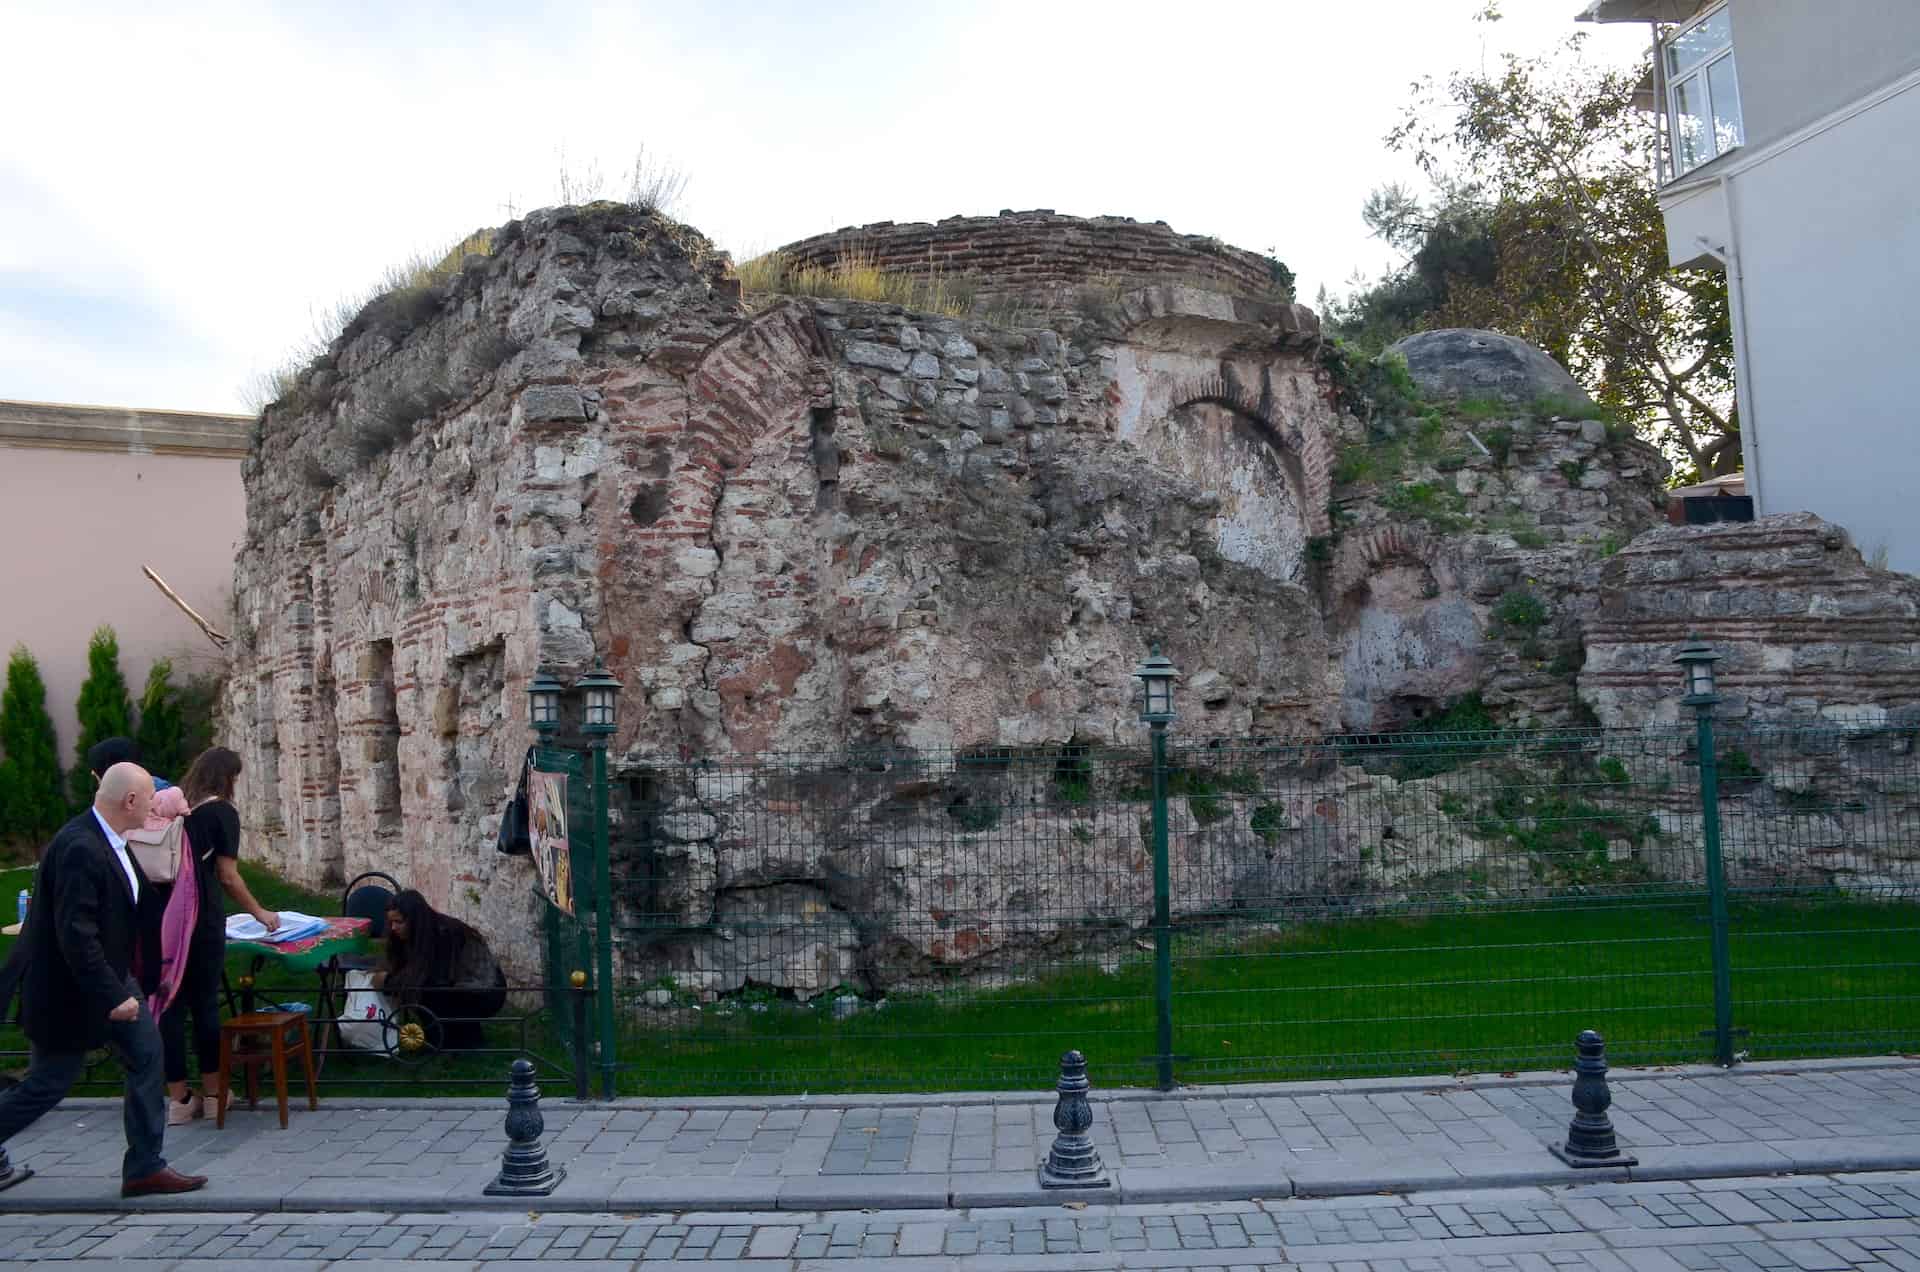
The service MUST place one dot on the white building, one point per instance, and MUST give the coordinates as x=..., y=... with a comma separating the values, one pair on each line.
x=1792, y=162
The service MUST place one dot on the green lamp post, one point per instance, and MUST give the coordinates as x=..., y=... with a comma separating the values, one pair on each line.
x=1697, y=659
x=602, y=692
x=1156, y=676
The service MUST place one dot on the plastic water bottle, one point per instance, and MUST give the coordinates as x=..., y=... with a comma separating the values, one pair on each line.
x=25, y=898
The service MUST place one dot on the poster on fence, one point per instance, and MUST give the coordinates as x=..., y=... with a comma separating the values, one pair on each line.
x=547, y=830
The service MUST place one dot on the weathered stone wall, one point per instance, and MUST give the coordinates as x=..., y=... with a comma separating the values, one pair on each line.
x=823, y=525
x=422, y=533
x=830, y=524
x=1043, y=257
x=1804, y=627
x=1463, y=568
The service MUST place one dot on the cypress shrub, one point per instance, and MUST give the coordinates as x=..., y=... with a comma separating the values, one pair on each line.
x=162, y=731
x=104, y=709
x=31, y=804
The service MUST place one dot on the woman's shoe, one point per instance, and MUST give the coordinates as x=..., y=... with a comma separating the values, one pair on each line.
x=180, y=1112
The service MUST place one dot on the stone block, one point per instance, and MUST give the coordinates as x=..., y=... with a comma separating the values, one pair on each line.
x=865, y=353
x=542, y=403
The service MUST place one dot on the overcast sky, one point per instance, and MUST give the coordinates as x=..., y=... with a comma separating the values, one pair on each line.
x=183, y=187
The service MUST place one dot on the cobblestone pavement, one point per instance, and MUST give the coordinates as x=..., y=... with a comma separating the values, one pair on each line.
x=1798, y=1224
x=789, y=1155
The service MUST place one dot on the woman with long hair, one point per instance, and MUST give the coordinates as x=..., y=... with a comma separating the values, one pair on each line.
x=437, y=962
x=213, y=829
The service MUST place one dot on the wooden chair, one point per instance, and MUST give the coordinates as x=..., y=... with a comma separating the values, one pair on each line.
x=259, y=1038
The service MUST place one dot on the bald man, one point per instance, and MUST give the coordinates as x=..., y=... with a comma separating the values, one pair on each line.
x=73, y=965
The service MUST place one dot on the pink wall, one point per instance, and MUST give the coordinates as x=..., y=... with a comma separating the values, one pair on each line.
x=77, y=525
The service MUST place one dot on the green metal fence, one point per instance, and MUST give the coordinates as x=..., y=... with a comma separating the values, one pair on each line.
x=1216, y=910
x=1409, y=903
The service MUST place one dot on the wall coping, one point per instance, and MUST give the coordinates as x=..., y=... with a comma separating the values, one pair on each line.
x=120, y=429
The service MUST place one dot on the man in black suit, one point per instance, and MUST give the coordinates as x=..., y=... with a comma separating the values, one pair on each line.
x=73, y=967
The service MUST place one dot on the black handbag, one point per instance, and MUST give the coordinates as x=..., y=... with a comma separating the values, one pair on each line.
x=515, y=840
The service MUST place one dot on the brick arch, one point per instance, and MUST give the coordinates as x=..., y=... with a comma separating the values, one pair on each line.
x=1304, y=453
x=1364, y=554
x=757, y=383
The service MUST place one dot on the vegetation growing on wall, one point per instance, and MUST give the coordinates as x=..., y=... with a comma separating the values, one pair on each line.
x=857, y=275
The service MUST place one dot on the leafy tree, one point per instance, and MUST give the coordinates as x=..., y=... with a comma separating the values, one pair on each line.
x=104, y=709
x=162, y=731
x=1543, y=222
x=31, y=803
x=1447, y=245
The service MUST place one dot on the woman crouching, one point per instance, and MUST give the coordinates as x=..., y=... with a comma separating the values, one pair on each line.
x=436, y=962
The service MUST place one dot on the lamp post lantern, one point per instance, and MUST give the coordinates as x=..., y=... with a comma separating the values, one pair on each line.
x=543, y=703
x=603, y=692
x=1156, y=675
x=1697, y=658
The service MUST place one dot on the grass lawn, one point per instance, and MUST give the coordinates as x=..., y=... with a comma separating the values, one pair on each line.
x=1491, y=989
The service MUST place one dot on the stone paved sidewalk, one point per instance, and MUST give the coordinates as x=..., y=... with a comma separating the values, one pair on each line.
x=1215, y=1144
x=1809, y=1224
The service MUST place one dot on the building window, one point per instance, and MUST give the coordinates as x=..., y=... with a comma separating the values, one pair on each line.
x=1703, y=97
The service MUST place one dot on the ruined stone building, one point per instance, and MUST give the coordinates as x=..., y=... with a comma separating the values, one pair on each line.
x=800, y=525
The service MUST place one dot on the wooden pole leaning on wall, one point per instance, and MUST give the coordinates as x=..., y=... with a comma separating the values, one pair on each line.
x=219, y=639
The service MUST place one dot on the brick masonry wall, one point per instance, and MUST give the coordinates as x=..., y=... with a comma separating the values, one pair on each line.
x=1043, y=255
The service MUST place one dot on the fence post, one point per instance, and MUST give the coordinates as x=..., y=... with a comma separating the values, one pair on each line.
x=1162, y=916
x=1697, y=659
x=582, y=1082
x=1716, y=887
x=603, y=912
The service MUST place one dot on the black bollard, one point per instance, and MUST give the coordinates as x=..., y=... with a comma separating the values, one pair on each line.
x=524, y=1169
x=1073, y=1162
x=11, y=1174
x=1590, y=1140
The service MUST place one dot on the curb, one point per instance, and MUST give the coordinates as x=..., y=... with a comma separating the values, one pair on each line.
x=1129, y=1095
x=584, y=1194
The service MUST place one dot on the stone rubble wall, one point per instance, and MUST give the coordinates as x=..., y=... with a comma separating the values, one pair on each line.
x=1805, y=628
x=825, y=525
x=421, y=537
x=1041, y=256
x=1483, y=515
x=1819, y=681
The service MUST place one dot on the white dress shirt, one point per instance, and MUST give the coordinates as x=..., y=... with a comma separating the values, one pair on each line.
x=120, y=850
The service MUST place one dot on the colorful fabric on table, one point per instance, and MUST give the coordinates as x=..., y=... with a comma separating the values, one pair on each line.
x=334, y=929
x=294, y=926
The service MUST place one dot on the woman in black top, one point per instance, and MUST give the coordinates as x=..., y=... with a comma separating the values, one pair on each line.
x=213, y=828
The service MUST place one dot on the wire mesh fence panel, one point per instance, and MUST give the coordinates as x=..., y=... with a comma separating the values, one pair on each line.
x=890, y=920
x=1419, y=902
x=1821, y=834
x=1434, y=902
x=1413, y=903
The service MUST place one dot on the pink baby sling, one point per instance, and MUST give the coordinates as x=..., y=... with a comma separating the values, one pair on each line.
x=177, y=923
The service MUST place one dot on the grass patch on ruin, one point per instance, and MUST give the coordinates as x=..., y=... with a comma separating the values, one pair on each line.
x=857, y=275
